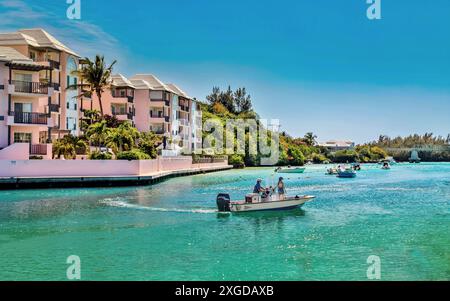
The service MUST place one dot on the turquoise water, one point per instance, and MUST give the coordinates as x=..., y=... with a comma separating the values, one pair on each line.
x=171, y=231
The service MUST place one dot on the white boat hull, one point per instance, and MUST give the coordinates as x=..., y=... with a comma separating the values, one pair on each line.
x=288, y=204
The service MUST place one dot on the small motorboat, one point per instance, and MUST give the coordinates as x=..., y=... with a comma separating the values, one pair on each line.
x=290, y=169
x=386, y=166
x=347, y=173
x=332, y=171
x=254, y=202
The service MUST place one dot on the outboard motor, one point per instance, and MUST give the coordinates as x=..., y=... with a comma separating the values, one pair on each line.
x=223, y=202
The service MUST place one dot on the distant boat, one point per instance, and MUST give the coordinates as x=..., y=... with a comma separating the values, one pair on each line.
x=389, y=160
x=386, y=166
x=348, y=173
x=332, y=171
x=290, y=170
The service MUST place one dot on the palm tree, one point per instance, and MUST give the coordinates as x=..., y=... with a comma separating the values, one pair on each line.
x=310, y=139
x=68, y=146
x=95, y=77
x=122, y=138
x=97, y=133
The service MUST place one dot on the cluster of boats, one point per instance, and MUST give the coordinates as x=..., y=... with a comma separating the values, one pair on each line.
x=257, y=202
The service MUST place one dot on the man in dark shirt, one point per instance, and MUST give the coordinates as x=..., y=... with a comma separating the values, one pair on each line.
x=258, y=188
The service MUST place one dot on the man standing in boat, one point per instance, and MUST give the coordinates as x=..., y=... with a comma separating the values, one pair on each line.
x=258, y=188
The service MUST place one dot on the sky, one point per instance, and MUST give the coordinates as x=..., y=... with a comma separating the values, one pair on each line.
x=319, y=66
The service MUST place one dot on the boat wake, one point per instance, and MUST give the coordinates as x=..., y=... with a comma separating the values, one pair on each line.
x=122, y=204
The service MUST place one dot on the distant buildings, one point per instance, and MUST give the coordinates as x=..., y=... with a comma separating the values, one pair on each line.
x=37, y=108
x=337, y=145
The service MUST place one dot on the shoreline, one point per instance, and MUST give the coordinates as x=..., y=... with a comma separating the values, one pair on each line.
x=17, y=183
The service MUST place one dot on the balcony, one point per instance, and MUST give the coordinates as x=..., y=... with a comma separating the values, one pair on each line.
x=29, y=118
x=54, y=108
x=54, y=64
x=38, y=149
x=184, y=122
x=56, y=86
x=184, y=108
x=29, y=87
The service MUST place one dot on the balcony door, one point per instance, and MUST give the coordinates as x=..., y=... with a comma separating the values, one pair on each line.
x=22, y=107
x=23, y=77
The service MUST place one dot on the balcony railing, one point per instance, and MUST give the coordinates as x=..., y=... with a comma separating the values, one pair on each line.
x=30, y=87
x=56, y=86
x=30, y=118
x=54, y=64
x=184, y=108
x=38, y=149
x=53, y=108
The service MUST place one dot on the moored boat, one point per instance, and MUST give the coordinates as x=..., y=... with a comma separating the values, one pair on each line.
x=254, y=202
x=347, y=173
x=290, y=170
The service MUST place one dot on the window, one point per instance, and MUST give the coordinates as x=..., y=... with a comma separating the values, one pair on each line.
x=22, y=107
x=22, y=137
x=119, y=109
x=33, y=55
x=23, y=77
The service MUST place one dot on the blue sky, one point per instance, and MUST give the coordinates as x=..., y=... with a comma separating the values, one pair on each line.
x=318, y=66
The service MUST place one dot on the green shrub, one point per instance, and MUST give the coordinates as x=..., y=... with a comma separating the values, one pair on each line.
x=345, y=156
x=318, y=158
x=237, y=161
x=296, y=157
x=96, y=155
x=134, y=154
x=36, y=158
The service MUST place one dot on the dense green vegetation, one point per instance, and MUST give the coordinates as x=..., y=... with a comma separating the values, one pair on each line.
x=109, y=138
x=431, y=148
x=224, y=105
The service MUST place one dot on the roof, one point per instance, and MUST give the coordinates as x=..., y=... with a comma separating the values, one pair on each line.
x=154, y=82
x=35, y=37
x=337, y=143
x=119, y=80
x=140, y=84
x=18, y=60
x=8, y=54
x=177, y=90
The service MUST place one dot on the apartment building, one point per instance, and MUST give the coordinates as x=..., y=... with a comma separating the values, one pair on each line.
x=117, y=101
x=35, y=107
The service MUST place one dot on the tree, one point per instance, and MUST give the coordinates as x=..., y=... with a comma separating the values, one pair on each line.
x=214, y=97
x=68, y=146
x=97, y=132
x=148, y=142
x=122, y=138
x=242, y=101
x=310, y=139
x=95, y=76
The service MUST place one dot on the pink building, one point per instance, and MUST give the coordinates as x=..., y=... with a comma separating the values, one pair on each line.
x=117, y=101
x=35, y=107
